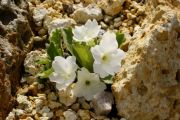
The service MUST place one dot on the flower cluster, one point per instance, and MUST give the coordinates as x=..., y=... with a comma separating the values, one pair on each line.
x=88, y=64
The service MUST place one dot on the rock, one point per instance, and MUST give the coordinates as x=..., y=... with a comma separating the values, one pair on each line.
x=15, y=41
x=38, y=39
x=84, y=104
x=18, y=112
x=31, y=64
x=5, y=3
x=53, y=104
x=148, y=84
x=59, y=113
x=66, y=96
x=89, y=1
x=52, y=96
x=92, y=11
x=11, y=116
x=38, y=103
x=84, y=114
x=38, y=15
x=45, y=112
x=111, y=7
x=24, y=103
x=103, y=25
x=69, y=115
x=107, y=18
x=48, y=115
x=75, y=107
x=60, y=23
x=102, y=103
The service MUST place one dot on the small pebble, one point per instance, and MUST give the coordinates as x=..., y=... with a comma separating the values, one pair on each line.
x=130, y=16
x=84, y=114
x=75, y=107
x=38, y=39
x=53, y=104
x=52, y=96
x=117, y=19
x=103, y=25
x=117, y=24
x=69, y=115
x=42, y=32
x=85, y=105
x=66, y=97
x=107, y=18
x=59, y=113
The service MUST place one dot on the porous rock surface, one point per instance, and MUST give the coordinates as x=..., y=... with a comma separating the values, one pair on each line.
x=15, y=41
x=148, y=84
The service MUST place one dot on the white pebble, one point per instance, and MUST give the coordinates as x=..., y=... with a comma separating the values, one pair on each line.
x=69, y=115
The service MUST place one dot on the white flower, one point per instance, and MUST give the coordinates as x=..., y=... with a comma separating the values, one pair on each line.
x=107, y=56
x=64, y=71
x=86, y=32
x=88, y=84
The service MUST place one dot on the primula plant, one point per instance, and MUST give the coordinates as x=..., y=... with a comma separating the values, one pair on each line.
x=79, y=57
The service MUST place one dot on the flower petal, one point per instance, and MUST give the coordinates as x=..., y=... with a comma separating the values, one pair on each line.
x=72, y=61
x=54, y=77
x=92, y=28
x=61, y=86
x=64, y=71
x=59, y=64
x=79, y=33
x=108, y=42
x=82, y=89
x=97, y=53
x=99, y=70
x=86, y=32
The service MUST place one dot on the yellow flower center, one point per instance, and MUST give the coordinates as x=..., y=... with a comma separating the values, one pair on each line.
x=87, y=82
x=105, y=58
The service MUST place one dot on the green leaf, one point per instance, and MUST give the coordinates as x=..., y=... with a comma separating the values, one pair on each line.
x=108, y=79
x=91, y=43
x=55, y=48
x=45, y=74
x=67, y=37
x=120, y=38
x=53, y=51
x=56, y=37
x=44, y=61
x=83, y=55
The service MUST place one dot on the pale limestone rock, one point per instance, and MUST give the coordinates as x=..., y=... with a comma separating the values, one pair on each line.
x=18, y=112
x=53, y=104
x=52, y=96
x=67, y=97
x=92, y=11
x=11, y=116
x=70, y=115
x=102, y=103
x=46, y=113
x=111, y=7
x=38, y=15
x=148, y=84
x=21, y=99
x=38, y=103
x=24, y=103
x=30, y=63
x=84, y=114
x=89, y=1
x=5, y=3
x=60, y=23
